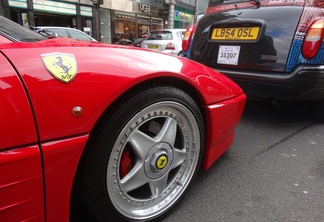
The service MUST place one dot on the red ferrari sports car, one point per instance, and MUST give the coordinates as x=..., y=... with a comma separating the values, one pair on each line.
x=120, y=131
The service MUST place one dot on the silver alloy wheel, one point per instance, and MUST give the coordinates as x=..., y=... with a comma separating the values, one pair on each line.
x=163, y=143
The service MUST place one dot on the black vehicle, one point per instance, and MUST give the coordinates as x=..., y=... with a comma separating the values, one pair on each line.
x=273, y=49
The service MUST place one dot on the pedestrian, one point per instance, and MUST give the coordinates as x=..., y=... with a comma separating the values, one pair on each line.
x=116, y=39
x=131, y=37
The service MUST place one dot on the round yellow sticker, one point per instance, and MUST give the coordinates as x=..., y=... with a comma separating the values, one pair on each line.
x=161, y=162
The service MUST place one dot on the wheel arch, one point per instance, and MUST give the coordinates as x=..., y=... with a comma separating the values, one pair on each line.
x=161, y=81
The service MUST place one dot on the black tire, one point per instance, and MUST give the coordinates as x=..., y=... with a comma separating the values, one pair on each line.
x=143, y=158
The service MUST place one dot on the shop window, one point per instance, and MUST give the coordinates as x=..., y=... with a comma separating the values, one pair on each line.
x=182, y=19
x=42, y=19
x=144, y=25
x=19, y=16
x=87, y=26
x=156, y=23
x=125, y=25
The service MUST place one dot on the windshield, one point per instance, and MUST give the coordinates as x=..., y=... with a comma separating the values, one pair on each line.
x=16, y=32
x=139, y=40
x=219, y=2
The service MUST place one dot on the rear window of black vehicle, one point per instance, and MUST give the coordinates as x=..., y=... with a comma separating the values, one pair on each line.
x=220, y=2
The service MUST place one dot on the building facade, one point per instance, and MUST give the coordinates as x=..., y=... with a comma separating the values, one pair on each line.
x=72, y=13
x=103, y=19
x=138, y=17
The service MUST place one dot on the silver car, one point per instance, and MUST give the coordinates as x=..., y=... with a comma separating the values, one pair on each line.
x=165, y=40
x=66, y=32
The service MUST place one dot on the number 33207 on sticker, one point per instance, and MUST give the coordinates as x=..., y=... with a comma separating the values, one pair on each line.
x=228, y=54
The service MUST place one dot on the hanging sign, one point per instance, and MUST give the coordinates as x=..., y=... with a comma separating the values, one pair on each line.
x=144, y=8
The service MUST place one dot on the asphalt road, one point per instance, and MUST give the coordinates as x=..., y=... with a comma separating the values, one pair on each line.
x=274, y=171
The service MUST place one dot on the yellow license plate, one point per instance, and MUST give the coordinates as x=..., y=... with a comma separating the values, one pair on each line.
x=237, y=33
x=153, y=46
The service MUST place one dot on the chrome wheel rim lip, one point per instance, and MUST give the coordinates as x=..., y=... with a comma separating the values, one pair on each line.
x=184, y=160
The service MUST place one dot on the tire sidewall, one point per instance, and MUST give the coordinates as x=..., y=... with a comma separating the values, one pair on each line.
x=96, y=176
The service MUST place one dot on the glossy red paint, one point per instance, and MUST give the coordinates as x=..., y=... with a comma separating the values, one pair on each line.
x=61, y=159
x=21, y=185
x=92, y=80
x=18, y=127
x=21, y=180
x=4, y=40
x=37, y=100
x=224, y=117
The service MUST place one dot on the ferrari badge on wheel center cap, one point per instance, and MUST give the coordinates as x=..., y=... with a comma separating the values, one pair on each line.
x=161, y=162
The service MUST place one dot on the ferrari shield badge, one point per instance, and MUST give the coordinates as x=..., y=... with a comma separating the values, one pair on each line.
x=62, y=66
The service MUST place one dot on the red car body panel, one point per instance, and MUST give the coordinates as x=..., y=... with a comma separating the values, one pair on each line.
x=223, y=118
x=21, y=180
x=57, y=121
x=61, y=159
x=21, y=185
x=16, y=108
x=36, y=111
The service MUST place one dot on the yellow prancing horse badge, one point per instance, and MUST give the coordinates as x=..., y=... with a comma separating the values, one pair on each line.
x=161, y=162
x=62, y=66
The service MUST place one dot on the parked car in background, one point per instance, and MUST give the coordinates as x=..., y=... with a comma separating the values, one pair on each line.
x=65, y=32
x=138, y=41
x=273, y=49
x=115, y=131
x=165, y=40
x=125, y=42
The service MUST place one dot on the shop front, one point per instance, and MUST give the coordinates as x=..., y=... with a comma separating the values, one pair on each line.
x=183, y=17
x=129, y=25
x=51, y=13
x=132, y=22
x=18, y=10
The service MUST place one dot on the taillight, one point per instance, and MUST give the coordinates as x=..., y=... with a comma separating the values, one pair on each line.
x=187, y=37
x=313, y=39
x=170, y=45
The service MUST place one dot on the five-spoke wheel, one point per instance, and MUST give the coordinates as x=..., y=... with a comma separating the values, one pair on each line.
x=146, y=155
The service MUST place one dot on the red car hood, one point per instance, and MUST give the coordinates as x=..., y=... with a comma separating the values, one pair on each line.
x=133, y=62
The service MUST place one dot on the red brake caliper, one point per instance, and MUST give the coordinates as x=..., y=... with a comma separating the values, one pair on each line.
x=126, y=164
